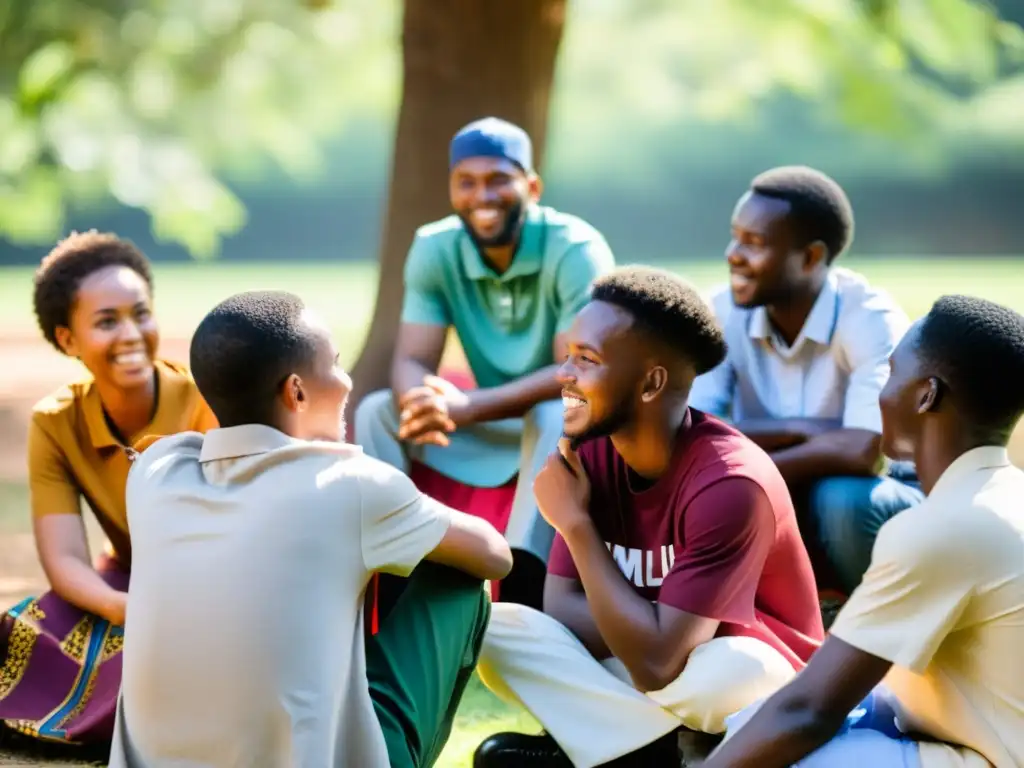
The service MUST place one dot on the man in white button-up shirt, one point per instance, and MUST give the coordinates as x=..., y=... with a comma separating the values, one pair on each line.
x=809, y=345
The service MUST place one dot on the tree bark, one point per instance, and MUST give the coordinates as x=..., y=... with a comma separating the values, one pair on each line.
x=462, y=60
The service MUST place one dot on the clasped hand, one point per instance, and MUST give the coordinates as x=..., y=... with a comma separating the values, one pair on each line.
x=429, y=412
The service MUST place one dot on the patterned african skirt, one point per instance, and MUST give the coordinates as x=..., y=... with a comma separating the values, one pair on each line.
x=60, y=667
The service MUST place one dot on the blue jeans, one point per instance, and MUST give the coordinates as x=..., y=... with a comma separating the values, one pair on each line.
x=868, y=737
x=848, y=511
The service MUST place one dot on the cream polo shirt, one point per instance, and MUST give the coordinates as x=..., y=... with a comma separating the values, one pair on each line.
x=244, y=641
x=943, y=601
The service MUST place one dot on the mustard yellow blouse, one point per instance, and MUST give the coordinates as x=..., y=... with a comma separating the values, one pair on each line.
x=73, y=454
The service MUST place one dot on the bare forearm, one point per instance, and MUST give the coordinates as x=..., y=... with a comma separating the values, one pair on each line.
x=776, y=434
x=572, y=611
x=778, y=736
x=626, y=622
x=80, y=584
x=407, y=373
x=515, y=398
x=841, y=452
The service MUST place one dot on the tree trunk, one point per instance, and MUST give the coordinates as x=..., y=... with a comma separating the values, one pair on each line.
x=462, y=60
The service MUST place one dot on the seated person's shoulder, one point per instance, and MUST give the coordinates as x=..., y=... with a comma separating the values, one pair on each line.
x=380, y=482
x=719, y=298
x=152, y=448
x=933, y=535
x=720, y=450
x=441, y=233
x=569, y=229
x=63, y=404
x=180, y=388
x=858, y=296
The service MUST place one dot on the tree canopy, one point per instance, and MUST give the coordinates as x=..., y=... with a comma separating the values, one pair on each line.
x=154, y=103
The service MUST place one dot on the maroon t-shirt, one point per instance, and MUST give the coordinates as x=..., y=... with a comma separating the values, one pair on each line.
x=715, y=536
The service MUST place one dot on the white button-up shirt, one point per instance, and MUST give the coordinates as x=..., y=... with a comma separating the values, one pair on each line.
x=835, y=369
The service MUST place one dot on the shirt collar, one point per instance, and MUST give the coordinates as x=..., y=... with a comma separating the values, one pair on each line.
x=96, y=420
x=529, y=257
x=244, y=440
x=974, y=460
x=819, y=325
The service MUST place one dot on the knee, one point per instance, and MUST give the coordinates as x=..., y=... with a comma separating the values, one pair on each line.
x=722, y=677
x=852, y=505
x=374, y=410
x=838, y=502
x=511, y=628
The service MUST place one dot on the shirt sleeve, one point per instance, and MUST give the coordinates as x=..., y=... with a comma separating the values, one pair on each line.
x=873, y=335
x=560, y=562
x=911, y=596
x=579, y=267
x=52, y=489
x=400, y=525
x=713, y=392
x=729, y=528
x=424, y=301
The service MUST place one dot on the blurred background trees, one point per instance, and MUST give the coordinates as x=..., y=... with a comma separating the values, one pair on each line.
x=261, y=129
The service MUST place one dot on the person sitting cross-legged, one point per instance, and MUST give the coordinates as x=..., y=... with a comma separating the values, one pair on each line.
x=678, y=590
x=939, y=617
x=245, y=642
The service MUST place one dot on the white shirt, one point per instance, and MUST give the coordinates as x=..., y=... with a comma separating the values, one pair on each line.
x=835, y=369
x=244, y=642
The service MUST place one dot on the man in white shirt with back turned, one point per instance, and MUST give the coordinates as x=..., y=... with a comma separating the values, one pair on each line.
x=253, y=545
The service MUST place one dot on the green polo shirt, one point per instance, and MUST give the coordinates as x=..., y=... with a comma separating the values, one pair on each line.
x=506, y=323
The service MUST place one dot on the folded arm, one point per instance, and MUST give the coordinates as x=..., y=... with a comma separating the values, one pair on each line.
x=775, y=434
x=566, y=602
x=515, y=398
x=843, y=451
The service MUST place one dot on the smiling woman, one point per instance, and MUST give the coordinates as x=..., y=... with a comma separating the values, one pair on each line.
x=60, y=653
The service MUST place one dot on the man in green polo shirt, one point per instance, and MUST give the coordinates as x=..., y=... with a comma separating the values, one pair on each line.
x=508, y=275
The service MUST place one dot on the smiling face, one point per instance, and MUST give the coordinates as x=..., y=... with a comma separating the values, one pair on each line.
x=603, y=375
x=491, y=196
x=111, y=327
x=767, y=264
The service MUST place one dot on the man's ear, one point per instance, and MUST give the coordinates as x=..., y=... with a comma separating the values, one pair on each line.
x=654, y=382
x=814, y=254
x=293, y=394
x=536, y=187
x=930, y=396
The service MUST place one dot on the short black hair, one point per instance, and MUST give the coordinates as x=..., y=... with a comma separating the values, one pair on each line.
x=819, y=208
x=63, y=269
x=244, y=350
x=669, y=308
x=977, y=347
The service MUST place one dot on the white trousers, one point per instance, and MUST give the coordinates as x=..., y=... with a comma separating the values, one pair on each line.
x=591, y=707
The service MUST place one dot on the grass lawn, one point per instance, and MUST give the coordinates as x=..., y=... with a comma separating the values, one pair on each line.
x=344, y=294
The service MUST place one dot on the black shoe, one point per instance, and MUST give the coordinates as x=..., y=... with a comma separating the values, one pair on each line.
x=520, y=750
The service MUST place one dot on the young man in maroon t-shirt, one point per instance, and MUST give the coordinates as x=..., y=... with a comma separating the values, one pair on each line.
x=678, y=588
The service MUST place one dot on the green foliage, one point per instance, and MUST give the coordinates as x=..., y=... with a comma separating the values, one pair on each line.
x=144, y=101
x=155, y=103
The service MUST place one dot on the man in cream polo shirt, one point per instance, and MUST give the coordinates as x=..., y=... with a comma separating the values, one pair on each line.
x=940, y=613
x=244, y=641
